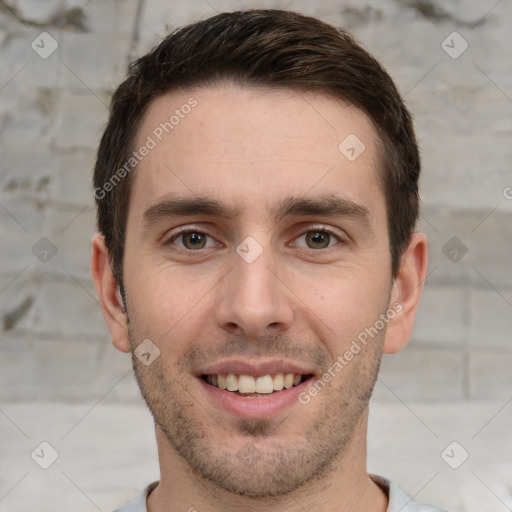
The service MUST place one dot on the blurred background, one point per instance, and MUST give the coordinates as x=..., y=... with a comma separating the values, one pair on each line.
x=440, y=421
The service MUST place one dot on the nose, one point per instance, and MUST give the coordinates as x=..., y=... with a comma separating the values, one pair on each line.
x=255, y=301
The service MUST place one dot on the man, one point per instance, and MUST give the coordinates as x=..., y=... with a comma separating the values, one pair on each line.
x=257, y=193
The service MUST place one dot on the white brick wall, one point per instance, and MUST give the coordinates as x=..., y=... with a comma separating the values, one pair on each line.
x=52, y=112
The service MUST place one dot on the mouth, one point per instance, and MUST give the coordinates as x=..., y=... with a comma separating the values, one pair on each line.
x=254, y=389
x=255, y=396
x=250, y=386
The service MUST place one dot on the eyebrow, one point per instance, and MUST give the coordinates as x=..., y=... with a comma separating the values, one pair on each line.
x=325, y=205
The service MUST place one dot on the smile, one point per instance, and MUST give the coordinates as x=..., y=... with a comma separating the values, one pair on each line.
x=254, y=386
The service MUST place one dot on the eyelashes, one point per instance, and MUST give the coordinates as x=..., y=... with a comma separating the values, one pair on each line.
x=317, y=235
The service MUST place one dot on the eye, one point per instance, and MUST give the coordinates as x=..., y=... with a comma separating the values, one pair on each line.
x=319, y=238
x=195, y=240
x=191, y=239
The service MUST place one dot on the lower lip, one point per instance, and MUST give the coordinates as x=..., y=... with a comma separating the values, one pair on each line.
x=255, y=407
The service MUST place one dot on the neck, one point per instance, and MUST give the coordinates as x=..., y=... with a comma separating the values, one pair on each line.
x=346, y=488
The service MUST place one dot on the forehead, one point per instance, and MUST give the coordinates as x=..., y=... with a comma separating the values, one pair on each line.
x=254, y=146
x=243, y=113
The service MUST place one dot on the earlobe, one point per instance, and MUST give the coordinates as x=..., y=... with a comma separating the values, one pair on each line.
x=406, y=292
x=109, y=294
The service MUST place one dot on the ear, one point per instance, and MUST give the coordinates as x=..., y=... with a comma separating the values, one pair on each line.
x=109, y=294
x=406, y=291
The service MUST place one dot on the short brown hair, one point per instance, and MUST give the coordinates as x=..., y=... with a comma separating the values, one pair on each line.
x=270, y=48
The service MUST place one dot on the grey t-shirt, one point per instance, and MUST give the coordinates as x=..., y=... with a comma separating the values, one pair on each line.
x=398, y=500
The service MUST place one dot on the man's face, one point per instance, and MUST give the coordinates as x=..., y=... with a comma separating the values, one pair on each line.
x=253, y=294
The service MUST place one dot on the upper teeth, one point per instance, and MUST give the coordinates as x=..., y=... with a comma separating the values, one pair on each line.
x=249, y=384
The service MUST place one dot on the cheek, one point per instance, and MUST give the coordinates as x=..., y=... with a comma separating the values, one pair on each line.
x=345, y=305
x=157, y=304
x=156, y=285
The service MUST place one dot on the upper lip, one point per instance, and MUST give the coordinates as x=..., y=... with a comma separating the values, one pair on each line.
x=254, y=367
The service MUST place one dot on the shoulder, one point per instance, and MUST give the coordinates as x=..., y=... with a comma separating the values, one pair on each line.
x=139, y=504
x=399, y=501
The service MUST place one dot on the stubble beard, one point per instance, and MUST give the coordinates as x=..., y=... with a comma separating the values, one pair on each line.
x=265, y=466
